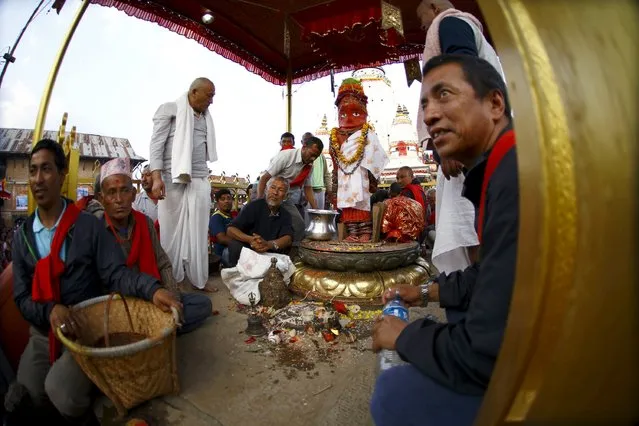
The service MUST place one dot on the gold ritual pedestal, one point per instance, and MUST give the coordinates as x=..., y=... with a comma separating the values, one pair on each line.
x=356, y=272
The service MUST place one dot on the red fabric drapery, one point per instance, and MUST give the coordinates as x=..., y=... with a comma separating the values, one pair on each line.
x=352, y=35
x=232, y=42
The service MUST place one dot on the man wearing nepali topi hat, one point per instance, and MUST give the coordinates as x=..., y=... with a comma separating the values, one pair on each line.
x=358, y=161
x=140, y=244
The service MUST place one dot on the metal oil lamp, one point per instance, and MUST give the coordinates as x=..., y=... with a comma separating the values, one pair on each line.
x=255, y=327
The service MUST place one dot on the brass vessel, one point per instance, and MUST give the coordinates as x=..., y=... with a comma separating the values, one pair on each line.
x=322, y=225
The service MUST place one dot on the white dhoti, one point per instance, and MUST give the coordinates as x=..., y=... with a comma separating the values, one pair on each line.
x=454, y=225
x=184, y=220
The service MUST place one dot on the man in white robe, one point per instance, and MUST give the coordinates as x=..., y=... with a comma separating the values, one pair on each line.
x=183, y=141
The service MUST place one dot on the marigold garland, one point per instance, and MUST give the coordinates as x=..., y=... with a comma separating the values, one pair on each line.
x=362, y=141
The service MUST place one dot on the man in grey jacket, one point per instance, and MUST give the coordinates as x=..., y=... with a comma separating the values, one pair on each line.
x=63, y=256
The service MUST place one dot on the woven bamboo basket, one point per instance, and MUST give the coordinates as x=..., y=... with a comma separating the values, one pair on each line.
x=132, y=373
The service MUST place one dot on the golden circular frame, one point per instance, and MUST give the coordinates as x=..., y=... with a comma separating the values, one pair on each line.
x=570, y=351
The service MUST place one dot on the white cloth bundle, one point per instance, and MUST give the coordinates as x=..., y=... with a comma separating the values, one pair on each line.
x=250, y=270
x=455, y=224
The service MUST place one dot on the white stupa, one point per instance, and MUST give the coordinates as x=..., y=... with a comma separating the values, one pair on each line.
x=404, y=149
x=324, y=134
x=381, y=101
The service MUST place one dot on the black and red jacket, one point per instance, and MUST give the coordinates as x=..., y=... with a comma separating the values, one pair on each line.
x=461, y=356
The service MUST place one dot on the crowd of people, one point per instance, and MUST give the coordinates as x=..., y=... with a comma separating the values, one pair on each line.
x=155, y=246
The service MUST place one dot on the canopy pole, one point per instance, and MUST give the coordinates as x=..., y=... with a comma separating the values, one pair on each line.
x=289, y=98
x=48, y=88
x=289, y=75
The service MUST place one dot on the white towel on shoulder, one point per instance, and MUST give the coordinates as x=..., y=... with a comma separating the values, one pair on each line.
x=182, y=152
x=455, y=225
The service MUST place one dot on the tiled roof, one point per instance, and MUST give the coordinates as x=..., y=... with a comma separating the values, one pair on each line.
x=18, y=142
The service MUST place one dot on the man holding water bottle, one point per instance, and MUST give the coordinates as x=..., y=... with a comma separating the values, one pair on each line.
x=449, y=365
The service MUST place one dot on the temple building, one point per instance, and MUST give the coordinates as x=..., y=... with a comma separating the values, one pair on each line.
x=324, y=134
x=381, y=101
x=404, y=150
x=15, y=146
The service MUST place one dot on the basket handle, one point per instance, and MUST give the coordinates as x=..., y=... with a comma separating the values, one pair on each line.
x=107, y=306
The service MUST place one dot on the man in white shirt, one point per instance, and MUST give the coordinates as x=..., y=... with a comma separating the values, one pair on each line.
x=144, y=203
x=321, y=179
x=295, y=165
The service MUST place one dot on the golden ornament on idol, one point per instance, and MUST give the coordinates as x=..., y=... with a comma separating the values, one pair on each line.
x=362, y=141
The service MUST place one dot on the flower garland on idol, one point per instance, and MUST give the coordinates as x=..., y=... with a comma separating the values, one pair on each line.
x=342, y=161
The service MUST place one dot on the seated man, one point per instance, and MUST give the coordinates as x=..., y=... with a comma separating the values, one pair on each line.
x=139, y=242
x=262, y=224
x=410, y=186
x=219, y=223
x=62, y=257
x=467, y=112
x=295, y=165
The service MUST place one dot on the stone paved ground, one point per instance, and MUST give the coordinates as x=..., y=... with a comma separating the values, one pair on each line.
x=225, y=381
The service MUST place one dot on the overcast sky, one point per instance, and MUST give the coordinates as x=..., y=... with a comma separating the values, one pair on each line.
x=119, y=69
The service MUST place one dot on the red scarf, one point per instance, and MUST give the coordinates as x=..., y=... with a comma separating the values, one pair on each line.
x=299, y=180
x=418, y=193
x=45, y=286
x=501, y=148
x=142, y=253
x=285, y=147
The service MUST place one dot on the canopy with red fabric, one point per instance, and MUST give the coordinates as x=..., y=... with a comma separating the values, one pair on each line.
x=318, y=36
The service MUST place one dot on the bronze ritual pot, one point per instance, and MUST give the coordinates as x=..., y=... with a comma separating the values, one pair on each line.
x=322, y=225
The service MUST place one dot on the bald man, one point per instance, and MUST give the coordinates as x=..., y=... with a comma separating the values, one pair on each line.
x=183, y=141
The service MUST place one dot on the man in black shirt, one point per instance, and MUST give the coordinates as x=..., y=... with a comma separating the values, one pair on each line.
x=262, y=225
x=468, y=115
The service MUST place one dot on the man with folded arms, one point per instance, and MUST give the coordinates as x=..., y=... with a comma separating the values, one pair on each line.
x=139, y=242
x=262, y=225
x=61, y=257
x=296, y=166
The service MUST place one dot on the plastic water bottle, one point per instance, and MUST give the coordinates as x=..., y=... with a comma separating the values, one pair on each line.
x=388, y=358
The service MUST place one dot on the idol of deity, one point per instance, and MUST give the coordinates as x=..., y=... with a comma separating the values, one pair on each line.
x=358, y=161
